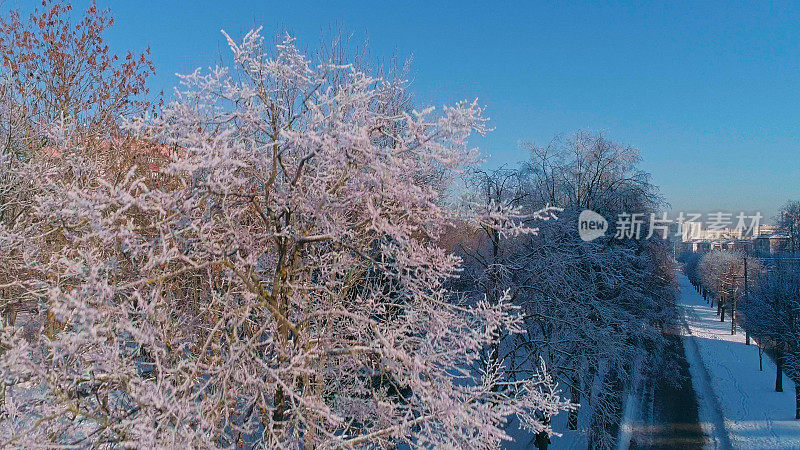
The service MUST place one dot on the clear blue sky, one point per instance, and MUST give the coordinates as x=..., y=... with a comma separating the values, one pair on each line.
x=709, y=92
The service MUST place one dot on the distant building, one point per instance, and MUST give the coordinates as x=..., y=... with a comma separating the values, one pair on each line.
x=778, y=242
x=761, y=244
x=770, y=244
x=745, y=245
x=768, y=240
x=696, y=246
x=767, y=230
x=694, y=231
x=704, y=245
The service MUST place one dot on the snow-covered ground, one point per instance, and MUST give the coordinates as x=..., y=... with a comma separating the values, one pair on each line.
x=738, y=403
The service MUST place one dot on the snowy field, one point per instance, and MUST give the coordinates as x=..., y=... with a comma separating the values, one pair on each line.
x=733, y=394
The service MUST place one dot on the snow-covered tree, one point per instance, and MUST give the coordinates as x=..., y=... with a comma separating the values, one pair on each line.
x=280, y=285
x=789, y=223
x=592, y=309
x=772, y=315
x=590, y=171
x=59, y=80
x=496, y=201
x=691, y=262
x=723, y=275
x=592, y=312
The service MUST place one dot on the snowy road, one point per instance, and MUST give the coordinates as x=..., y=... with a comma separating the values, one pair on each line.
x=668, y=411
x=738, y=405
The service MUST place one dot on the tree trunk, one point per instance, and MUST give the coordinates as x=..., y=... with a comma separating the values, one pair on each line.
x=722, y=314
x=288, y=261
x=797, y=401
x=494, y=297
x=542, y=440
x=572, y=418
x=779, y=370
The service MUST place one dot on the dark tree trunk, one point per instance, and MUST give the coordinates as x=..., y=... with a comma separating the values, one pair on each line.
x=542, y=440
x=572, y=418
x=797, y=401
x=779, y=370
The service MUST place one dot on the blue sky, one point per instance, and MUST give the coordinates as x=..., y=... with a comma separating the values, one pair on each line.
x=709, y=92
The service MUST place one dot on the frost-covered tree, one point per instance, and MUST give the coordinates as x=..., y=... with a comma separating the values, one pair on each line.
x=490, y=245
x=596, y=313
x=497, y=200
x=772, y=315
x=691, y=262
x=593, y=312
x=592, y=309
x=789, y=223
x=723, y=275
x=590, y=171
x=280, y=285
x=59, y=80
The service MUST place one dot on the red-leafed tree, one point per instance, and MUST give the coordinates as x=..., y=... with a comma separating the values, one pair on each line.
x=59, y=69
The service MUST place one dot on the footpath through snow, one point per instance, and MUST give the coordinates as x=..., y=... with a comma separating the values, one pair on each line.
x=738, y=404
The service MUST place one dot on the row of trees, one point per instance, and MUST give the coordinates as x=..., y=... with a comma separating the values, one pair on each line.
x=726, y=276
x=764, y=299
x=277, y=258
x=773, y=316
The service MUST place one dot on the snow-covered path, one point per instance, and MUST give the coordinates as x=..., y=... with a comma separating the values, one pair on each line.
x=738, y=403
